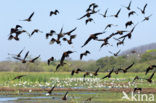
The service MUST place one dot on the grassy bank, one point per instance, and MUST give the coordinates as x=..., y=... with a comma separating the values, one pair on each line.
x=65, y=80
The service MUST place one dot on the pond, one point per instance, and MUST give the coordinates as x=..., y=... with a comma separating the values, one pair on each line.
x=40, y=97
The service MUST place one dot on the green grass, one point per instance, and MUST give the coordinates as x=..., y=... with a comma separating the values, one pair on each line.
x=64, y=79
x=152, y=50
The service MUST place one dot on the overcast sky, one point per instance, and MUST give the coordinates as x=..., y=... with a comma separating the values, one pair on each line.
x=70, y=10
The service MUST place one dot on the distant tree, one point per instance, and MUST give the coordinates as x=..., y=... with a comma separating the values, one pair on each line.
x=146, y=57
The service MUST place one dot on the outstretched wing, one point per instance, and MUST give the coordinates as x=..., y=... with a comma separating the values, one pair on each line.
x=56, y=11
x=71, y=31
x=97, y=70
x=17, y=58
x=118, y=12
x=147, y=70
x=130, y=4
x=124, y=36
x=129, y=66
x=106, y=26
x=87, y=41
x=96, y=34
x=65, y=96
x=19, y=54
x=72, y=73
x=152, y=75
x=81, y=56
x=51, y=13
x=35, y=58
x=118, y=52
x=62, y=59
x=105, y=77
x=144, y=7
x=57, y=66
x=32, y=33
x=50, y=91
x=88, y=52
x=26, y=55
x=111, y=71
x=82, y=17
x=106, y=12
x=31, y=15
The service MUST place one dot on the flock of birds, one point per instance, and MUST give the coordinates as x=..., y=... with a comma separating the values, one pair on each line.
x=69, y=36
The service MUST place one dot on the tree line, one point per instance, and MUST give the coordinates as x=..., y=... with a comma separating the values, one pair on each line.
x=142, y=61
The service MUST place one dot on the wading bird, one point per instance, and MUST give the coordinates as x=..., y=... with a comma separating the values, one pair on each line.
x=129, y=6
x=59, y=36
x=65, y=96
x=50, y=91
x=54, y=12
x=89, y=20
x=129, y=23
x=120, y=32
x=131, y=13
x=119, y=41
x=70, y=40
x=150, y=78
x=50, y=33
x=14, y=30
x=105, y=40
x=88, y=14
x=59, y=65
x=19, y=54
x=75, y=71
x=147, y=18
x=115, y=54
x=127, y=68
x=109, y=75
x=85, y=74
x=16, y=37
x=96, y=72
x=143, y=10
x=105, y=14
x=137, y=89
x=69, y=33
x=117, y=14
x=109, y=26
x=22, y=60
x=90, y=6
x=33, y=60
x=84, y=54
x=151, y=67
x=29, y=19
x=92, y=37
x=19, y=77
x=53, y=40
x=35, y=31
x=49, y=60
x=64, y=55
x=136, y=78
x=129, y=35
